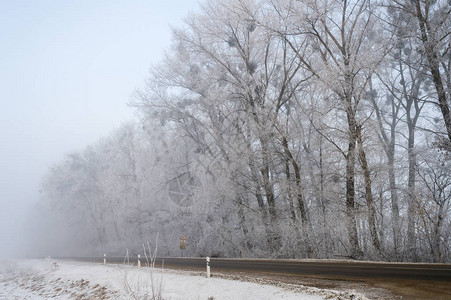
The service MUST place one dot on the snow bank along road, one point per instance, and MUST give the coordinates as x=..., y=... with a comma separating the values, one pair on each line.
x=56, y=279
x=329, y=268
x=374, y=279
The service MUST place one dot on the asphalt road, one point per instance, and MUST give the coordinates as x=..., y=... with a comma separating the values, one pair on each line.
x=336, y=269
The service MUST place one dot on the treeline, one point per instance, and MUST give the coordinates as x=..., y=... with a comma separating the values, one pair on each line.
x=315, y=128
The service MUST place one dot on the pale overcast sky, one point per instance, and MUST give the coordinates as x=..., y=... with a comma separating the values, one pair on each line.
x=67, y=70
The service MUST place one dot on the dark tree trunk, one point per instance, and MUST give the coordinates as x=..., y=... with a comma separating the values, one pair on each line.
x=299, y=194
x=242, y=222
x=356, y=252
x=327, y=238
x=411, y=193
x=368, y=193
x=289, y=196
x=273, y=229
x=388, y=143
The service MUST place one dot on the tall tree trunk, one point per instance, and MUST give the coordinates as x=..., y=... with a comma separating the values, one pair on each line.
x=273, y=233
x=289, y=196
x=317, y=191
x=356, y=252
x=438, y=232
x=242, y=222
x=413, y=109
x=326, y=238
x=394, y=201
x=382, y=221
x=411, y=105
x=273, y=229
x=306, y=226
x=368, y=193
x=388, y=143
x=411, y=193
x=260, y=201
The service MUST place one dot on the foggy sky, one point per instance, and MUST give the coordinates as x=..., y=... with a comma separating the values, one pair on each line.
x=67, y=70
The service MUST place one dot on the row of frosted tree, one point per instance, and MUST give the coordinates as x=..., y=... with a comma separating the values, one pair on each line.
x=275, y=128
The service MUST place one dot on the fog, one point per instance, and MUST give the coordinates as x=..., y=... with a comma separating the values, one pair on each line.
x=260, y=130
x=67, y=70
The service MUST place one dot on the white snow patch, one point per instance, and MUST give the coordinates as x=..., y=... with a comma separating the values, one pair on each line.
x=46, y=279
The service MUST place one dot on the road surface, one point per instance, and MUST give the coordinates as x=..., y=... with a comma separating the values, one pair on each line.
x=335, y=269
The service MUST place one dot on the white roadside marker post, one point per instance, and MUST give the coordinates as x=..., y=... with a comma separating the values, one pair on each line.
x=104, y=258
x=208, y=267
x=139, y=262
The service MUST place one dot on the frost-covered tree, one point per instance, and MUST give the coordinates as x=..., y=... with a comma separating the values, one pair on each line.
x=336, y=42
x=274, y=129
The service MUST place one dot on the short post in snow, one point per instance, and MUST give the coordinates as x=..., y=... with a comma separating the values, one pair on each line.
x=182, y=243
x=139, y=262
x=104, y=258
x=208, y=267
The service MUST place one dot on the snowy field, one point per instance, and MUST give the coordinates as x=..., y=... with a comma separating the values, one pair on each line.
x=50, y=279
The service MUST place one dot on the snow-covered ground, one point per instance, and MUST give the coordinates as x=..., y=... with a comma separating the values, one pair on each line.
x=47, y=279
